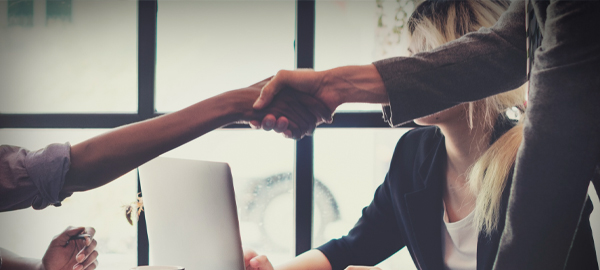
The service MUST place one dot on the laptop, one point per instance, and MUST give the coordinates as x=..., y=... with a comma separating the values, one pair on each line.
x=191, y=214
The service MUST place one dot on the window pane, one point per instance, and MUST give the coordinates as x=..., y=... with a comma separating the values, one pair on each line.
x=358, y=33
x=261, y=164
x=349, y=165
x=28, y=232
x=208, y=47
x=70, y=56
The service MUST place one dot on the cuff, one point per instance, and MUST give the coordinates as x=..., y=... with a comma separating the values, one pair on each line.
x=395, y=113
x=47, y=169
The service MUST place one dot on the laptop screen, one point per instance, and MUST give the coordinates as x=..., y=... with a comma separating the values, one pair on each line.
x=191, y=214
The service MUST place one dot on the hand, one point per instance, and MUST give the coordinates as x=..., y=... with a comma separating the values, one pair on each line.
x=255, y=262
x=304, y=80
x=308, y=83
x=78, y=254
x=352, y=267
x=300, y=112
x=332, y=87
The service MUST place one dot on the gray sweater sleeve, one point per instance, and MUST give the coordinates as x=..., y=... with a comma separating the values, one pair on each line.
x=477, y=65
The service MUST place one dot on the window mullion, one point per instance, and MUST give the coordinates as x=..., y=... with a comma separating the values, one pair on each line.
x=147, y=19
x=303, y=181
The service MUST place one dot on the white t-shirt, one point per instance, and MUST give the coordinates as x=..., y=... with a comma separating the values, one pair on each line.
x=459, y=243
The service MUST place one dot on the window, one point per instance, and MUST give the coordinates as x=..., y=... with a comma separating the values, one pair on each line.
x=64, y=56
x=59, y=10
x=20, y=12
x=71, y=69
x=80, y=58
x=241, y=51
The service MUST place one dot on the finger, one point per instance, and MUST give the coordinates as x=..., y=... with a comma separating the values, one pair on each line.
x=90, y=260
x=66, y=235
x=310, y=117
x=299, y=115
x=261, y=262
x=86, y=252
x=268, y=122
x=353, y=267
x=316, y=107
x=294, y=131
x=269, y=91
x=254, y=124
x=248, y=255
x=91, y=231
x=281, y=124
x=291, y=130
x=92, y=266
x=306, y=121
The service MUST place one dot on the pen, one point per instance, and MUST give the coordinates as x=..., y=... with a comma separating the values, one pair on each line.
x=79, y=236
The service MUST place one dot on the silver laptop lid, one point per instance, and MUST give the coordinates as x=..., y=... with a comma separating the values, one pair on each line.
x=191, y=214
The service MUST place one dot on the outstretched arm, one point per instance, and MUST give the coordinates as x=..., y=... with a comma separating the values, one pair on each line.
x=47, y=176
x=477, y=65
x=333, y=87
x=101, y=159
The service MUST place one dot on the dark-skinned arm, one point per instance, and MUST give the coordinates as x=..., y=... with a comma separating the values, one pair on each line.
x=99, y=160
x=47, y=176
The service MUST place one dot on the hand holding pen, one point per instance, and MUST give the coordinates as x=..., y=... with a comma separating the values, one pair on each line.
x=73, y=249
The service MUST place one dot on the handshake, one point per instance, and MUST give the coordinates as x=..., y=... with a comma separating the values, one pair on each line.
x=295, y=102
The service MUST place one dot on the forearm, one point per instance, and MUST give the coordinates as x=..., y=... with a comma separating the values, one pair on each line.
x=480, y=64
x=11, y=261
x=312, y=259
x=101, y=159
x=355, y=84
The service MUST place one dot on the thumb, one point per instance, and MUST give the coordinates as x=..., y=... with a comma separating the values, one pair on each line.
x=261, y=262
x=266, y=95
x=270, y=89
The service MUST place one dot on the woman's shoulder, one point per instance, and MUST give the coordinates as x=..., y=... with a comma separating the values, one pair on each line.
x=413, y=150
x=416, y=144
x=420, y=137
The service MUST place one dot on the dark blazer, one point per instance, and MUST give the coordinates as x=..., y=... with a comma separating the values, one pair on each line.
x=407, y=211
x=562, y=132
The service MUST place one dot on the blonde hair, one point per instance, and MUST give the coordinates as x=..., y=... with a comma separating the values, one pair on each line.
x=437, y=22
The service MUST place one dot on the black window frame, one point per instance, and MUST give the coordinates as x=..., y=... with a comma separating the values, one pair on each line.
x=147, y=33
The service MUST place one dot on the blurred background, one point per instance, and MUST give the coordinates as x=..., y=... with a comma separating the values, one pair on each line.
x=81, y=57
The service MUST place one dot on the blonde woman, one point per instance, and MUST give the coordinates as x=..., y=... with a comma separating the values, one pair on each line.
x=447, y=188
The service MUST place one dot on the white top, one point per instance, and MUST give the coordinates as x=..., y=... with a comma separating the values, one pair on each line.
x=459, y=243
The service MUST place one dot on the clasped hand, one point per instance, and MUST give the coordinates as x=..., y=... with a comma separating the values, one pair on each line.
x=291, y=112
x=66, y=254
x=304, y=85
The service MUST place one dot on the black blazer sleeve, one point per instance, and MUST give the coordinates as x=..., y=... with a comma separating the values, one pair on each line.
x=475, y=66
x=374, y=237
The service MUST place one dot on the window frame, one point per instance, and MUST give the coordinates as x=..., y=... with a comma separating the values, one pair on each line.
x=147, y=33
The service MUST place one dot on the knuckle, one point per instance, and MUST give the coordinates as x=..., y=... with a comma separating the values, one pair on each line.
x=262, y=259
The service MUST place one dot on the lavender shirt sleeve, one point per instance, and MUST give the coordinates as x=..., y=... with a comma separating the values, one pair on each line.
x=33, y=178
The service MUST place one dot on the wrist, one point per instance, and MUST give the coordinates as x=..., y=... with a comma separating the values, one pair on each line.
x=356, y=84
x=237, y=104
